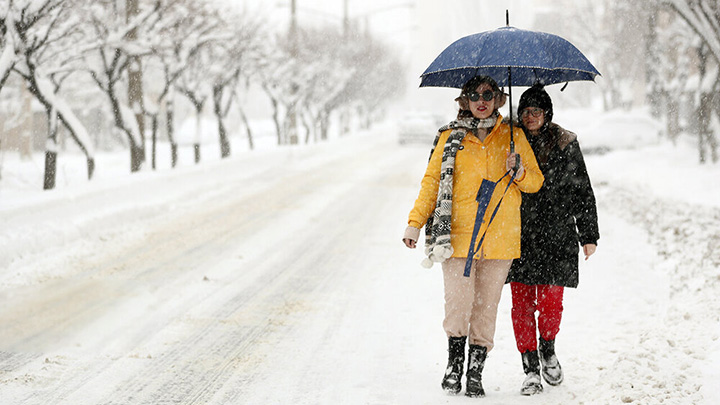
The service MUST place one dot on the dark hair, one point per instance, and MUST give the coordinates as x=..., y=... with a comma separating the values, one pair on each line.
x=536, y=96
x=473, y=84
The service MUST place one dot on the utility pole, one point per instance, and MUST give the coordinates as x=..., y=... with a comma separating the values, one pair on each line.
x=292, y=113
x=135, y=90
x=346, y=19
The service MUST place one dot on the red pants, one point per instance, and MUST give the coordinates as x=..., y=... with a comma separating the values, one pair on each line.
x=526, y=299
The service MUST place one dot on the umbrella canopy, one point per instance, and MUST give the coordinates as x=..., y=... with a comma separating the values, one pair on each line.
x=532, y=57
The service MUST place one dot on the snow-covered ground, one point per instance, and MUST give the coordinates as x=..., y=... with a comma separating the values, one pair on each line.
x=278, y=277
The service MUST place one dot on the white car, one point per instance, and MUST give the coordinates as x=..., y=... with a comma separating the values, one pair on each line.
x=419, y=128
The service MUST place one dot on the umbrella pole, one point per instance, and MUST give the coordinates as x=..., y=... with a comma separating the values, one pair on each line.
x=512, y=140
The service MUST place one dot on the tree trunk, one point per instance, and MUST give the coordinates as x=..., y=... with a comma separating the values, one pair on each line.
x=291, y=126
x=276, y=120
x=174, y=154
x=251, y=144
x=137, y=156
x=307, y=128
x=51, y=149
x=344, y=122
x=222, y=131
x=135, y=89
x=50, y=170
x=224, y=141
x=169, y=117
x=673, y=117
x=707, y=143
x=198, y=133
x=90, y=167
x=324, y=124
x=652, y=61
x=154, y=118
x=275, y=115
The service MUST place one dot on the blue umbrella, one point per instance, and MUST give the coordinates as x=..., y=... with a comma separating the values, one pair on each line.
x=511, y=56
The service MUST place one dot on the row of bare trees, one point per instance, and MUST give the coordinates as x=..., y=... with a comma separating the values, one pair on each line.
x=665, y=50
x=133, y=58
x=685, y=38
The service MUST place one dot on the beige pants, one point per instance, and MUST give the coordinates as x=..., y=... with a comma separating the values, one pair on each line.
x=471, y=303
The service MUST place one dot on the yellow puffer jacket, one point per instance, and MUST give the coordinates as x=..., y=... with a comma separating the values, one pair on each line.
x=474, y=162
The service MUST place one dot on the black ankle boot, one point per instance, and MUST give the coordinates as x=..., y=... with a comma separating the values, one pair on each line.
x=452, y=381
x=531, y=367
x=476, y=362
x=551, y=370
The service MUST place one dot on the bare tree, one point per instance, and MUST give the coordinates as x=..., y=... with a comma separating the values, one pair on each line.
x=197, y=89
x=182, y=34
x=45, y=36
x=276, y=71
x=669, y=67
x=113, y=50
x=328, y=72
x=326, y=79
x=231, y=56
x=703, y=18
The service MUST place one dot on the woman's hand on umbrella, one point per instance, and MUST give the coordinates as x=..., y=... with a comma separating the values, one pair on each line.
x=510, y=164
x=589, y=249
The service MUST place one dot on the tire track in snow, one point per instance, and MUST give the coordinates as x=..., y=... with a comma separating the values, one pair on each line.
x=176, y=247
x=150, y=267
x=287, y=288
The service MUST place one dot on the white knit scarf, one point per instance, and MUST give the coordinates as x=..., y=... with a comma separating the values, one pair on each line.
x=438, y=227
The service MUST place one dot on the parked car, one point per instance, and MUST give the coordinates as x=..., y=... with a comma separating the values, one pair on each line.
x=419, y=128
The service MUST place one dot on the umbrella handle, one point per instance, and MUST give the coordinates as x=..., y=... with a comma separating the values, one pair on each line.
x=516, y=167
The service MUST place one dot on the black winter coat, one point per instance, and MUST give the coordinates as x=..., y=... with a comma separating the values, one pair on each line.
x=560, y=217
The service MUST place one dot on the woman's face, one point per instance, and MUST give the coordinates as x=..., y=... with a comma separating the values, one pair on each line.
x=482, y=108
x=533, y=118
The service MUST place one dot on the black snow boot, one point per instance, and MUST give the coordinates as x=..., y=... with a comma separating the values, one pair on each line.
x=551, y=370
x=476, y=362
x=531, y=367
x=452, y=381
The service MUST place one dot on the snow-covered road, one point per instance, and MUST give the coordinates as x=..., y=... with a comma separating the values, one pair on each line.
x=183, y=299
x=279, y=278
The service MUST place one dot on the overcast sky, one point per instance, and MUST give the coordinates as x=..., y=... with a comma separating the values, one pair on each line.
x=420, y=28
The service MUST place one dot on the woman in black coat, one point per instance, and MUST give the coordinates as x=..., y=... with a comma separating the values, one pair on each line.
x=555, y=221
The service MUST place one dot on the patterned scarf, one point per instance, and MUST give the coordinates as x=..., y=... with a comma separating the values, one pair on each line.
x=438, y=227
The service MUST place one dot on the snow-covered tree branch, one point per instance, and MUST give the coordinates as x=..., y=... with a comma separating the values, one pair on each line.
x=44, y=34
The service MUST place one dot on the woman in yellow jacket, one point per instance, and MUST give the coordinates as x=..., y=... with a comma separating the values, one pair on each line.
x=474, y=147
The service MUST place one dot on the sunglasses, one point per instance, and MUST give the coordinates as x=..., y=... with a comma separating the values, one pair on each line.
x=535, y=112
x=486, y=95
